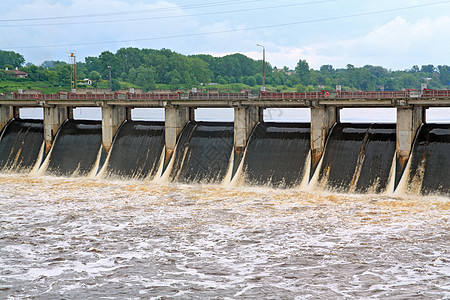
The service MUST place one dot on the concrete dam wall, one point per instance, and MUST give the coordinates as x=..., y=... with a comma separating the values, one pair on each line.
x=357, y=158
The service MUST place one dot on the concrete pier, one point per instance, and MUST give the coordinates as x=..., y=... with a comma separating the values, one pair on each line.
x=408, y=122
x=54, y=117
x=6, y=114
x=112, y=118
x=245, y=119
x=176, y=118
x=322, y=120
x=16, y=112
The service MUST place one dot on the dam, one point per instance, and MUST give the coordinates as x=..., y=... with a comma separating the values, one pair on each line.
x=412, y=155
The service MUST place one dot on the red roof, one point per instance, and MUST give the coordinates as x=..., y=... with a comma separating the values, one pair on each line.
x=17, y=72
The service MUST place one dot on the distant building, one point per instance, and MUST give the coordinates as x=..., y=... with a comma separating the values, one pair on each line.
x=16, y=73
x=87, y=81
x=285, y=70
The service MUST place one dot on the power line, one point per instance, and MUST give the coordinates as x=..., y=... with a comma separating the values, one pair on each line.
x=190, y=6
x=236, y=30
x=171, y=17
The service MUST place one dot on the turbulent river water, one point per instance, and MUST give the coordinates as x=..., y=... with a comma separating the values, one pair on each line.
x=79, y=238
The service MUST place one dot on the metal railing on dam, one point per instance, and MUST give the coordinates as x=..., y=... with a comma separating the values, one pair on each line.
x=426, y=97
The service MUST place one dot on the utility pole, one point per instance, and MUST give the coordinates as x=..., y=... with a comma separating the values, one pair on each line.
x=264, y=66
x=110, y=83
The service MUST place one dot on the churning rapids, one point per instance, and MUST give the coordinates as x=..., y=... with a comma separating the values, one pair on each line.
x=79, y=238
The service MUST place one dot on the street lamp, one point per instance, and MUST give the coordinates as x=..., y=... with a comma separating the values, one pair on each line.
x=264, y=66
x=110, y=85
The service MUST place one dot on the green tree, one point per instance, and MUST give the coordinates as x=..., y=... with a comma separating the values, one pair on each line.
x=221, y=80
x=92, y=64
x=409, y=81
x=427, y=69
x=259, y=79
x=130, y=58
x=376, y=71
x=11, y=58
x=175, y=77
x=52, y=77
x=82, y=71
x=145, y=77
x=415, y=69
x=366, y=80
x=35, y=73
x=132, y=74
x=124, y=76
x=302, y=71
x=326, y=70
x=115, y=85
x=95, y=77
x=278, y=78
x=108, y=59
x=52, y=64
x=63, y=72
x=444, y=74
x=200, y=70
x=250, y=80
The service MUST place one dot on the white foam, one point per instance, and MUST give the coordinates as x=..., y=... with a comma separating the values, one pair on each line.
x=180, y=238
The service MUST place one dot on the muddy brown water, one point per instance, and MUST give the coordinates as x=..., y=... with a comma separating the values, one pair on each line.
x=72, y=238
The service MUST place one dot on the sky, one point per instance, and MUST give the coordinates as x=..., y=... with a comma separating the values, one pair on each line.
x=393, y=34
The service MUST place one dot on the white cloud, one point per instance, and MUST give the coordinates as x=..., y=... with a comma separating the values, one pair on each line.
x=20, y=37
x=397, y=44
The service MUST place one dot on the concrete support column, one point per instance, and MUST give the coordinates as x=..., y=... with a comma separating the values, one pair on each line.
x=54, y=117
x=175, y=120
x=6, y=114
x=408, y=122
x=245, y=119
x=70, y=113
x=322, y=120
x=112, y=118
x=16, y=112
x=129, y=113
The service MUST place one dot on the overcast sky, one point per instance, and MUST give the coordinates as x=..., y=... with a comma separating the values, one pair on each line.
x=393, y=34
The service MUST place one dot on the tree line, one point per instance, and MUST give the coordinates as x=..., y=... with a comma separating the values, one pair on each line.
x=150, y=69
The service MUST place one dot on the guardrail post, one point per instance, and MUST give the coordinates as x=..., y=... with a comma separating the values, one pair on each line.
x=6, y=114
x=112, y=118
x=175, y=120
x=54, y=117
x=322, y=120
x=408, y=122
x=245, y=119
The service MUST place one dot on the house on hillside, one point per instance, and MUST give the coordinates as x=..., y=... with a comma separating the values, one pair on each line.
x=285, y=70
x=87, y=81
x=16, y=73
